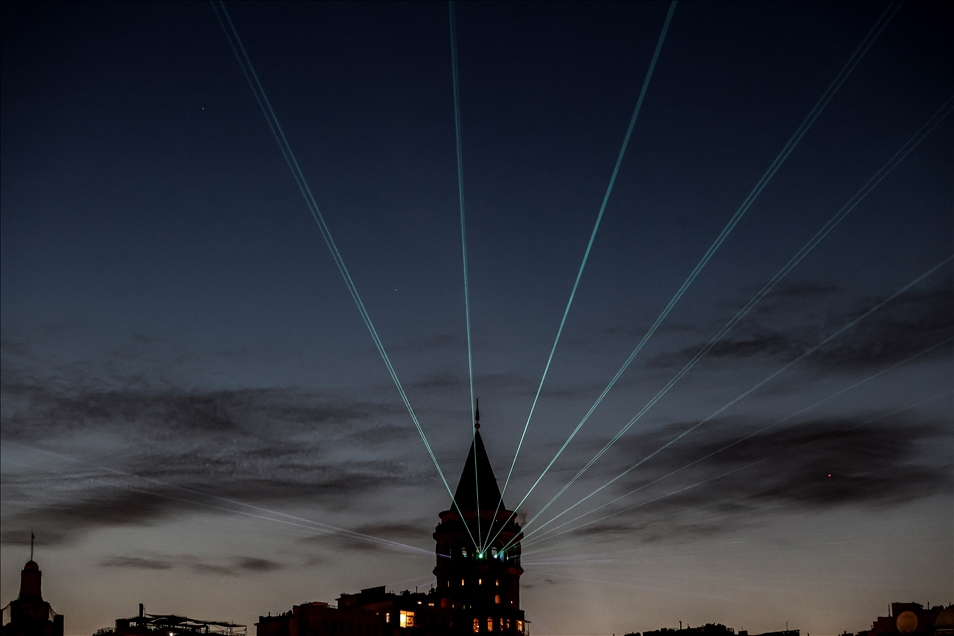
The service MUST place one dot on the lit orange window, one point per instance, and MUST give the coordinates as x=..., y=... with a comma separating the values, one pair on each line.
x=490, y=624
x=480, y=581
x=497, y=599
x=407, y=619
x=476, y=625
x=497, y=582
x=462, y=582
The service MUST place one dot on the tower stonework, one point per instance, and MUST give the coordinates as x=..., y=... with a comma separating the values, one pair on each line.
x=478, y=552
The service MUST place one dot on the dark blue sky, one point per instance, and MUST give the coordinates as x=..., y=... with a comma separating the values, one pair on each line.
x=169, y=309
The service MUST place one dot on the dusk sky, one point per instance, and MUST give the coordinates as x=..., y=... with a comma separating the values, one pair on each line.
x=195, y=417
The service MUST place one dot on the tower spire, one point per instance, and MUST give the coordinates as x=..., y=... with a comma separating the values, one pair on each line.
x=32, y=537
x=477, y=414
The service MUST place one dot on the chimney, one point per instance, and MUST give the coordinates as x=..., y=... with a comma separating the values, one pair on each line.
x=141, y=610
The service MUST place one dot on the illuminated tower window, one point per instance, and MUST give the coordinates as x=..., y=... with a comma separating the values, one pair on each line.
x=462, y=582
x=497, y=599
x=490, y=624
x=476, y=625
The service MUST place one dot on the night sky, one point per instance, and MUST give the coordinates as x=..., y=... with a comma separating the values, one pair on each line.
x=195, y=417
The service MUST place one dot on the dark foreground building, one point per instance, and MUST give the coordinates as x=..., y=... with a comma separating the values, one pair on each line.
x=478, y=576
x=709, y=629
x=29, y=614
x=170, y=625
x=914, y=619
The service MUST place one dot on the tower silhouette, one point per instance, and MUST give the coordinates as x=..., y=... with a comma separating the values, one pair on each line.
x=476, y=576
x=29, y=614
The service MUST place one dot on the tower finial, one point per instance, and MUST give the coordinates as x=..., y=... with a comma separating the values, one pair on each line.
x=477, y=414
x=32, y=537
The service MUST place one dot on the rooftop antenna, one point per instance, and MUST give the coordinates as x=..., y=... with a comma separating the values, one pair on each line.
x=32, y=537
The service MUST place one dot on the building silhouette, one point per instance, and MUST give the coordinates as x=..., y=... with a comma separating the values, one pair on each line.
x=478, y=575
x=171, y=625
x=709, y=629
x=914, y=619
x=29, y=614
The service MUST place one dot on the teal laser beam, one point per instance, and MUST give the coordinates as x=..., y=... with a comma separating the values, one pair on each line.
x=748, y=392
x=455, y=74
x=793, y=141
x=586, y=254
x=261, y=96
x=287, y=519
x=549, y=534
x=757, y=462
x=820, y=235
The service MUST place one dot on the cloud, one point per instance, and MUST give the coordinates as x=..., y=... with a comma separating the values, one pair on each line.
x=797, y=317
x=137, y=457
x=871, y=461
x=254, y=564
x=234, y=566
x=136, y=563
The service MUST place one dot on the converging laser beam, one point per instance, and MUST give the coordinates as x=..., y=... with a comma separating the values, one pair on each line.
x=552, y=532
x=586, y=255
x=261, y=97
x=463, y=239
x=823, y=232
x=286, y=519
x=746, y=393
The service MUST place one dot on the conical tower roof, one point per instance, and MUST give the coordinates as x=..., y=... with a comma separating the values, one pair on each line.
x=477, y=482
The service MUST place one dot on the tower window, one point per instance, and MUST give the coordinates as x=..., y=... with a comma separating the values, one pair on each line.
x=497, y=582
x=476, y=625
x=462, y=582
x=497, y=599
x=490, y=624
x=480, y=581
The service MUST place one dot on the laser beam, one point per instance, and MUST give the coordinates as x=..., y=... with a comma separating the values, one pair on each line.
x=820, y=235
x=271, y=118
x=746, y=393
x=463, y=239
x=286, y=519
x=586, y=255
x=894, y=366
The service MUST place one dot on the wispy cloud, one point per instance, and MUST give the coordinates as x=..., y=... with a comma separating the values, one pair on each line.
x=234, y=566
x=788, y=322
x=819, y=464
